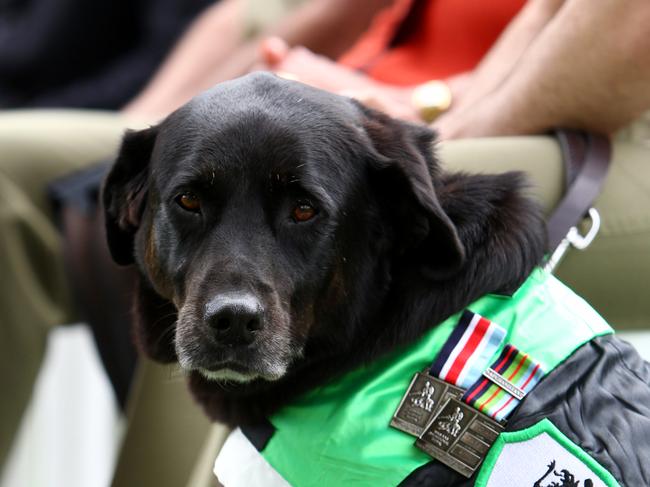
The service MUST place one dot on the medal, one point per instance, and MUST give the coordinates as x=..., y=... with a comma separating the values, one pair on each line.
x=459, y=436
x=458, y=408
x=463, y=430
x=504, y=384
x=421, y=401
x=460, y=362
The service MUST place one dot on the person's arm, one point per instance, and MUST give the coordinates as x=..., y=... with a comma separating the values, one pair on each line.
x=212, y=50
x=588, y=68
x=303, y=65
x=502, y=57
x=215, y=34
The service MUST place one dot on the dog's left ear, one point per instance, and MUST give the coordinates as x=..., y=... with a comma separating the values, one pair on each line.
x=125, y=191
x=405, y=170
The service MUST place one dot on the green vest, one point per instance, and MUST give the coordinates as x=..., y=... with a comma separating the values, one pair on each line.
x=338, y=433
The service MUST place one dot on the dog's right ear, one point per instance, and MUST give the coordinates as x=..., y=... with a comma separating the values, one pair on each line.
x=405, y=169
x=125, y=192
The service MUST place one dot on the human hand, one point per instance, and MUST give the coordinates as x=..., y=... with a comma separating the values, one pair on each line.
x=462, y=123
x=490, y=117
x=398, y=102
x=303, y=65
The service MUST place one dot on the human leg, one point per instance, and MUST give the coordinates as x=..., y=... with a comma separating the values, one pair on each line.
x=36, y=147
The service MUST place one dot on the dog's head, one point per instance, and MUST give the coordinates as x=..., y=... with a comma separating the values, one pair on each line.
x=268, y=220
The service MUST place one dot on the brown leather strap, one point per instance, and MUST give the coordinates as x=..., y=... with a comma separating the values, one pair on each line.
x=586, y=158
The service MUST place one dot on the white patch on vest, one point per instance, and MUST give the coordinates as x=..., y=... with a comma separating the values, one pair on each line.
x=540, y=462
x=239, y=464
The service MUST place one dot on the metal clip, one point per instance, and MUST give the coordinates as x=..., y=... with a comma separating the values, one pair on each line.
x=574, y=239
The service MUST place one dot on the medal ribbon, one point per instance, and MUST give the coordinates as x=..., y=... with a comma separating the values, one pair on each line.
x=470, y=346
x=517, y=368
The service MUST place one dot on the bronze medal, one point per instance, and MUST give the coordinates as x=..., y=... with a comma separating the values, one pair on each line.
x=459, y=436
x=421, y=401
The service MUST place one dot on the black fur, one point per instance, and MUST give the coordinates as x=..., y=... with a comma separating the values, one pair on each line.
x=396, y=245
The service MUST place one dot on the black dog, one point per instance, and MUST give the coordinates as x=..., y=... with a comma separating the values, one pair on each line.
x=285, y=235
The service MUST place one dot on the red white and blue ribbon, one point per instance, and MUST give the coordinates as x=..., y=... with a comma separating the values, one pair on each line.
x=468, y=349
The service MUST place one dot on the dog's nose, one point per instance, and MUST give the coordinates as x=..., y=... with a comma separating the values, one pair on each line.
x=235, y=319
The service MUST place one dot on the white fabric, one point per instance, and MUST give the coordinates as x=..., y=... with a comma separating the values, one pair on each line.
x=525, y=463
x=239, y=464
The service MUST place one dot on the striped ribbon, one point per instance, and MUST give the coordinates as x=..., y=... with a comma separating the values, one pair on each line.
x=516, y=367
x=468, y=349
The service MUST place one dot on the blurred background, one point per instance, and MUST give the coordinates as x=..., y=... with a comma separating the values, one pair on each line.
x=78, y=408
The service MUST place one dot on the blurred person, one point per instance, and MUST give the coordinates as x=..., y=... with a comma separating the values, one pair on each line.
x=558, y=63
x=76, y=53
x=217, y=49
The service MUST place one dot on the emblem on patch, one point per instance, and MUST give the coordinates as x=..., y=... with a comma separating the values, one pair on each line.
x=541, y=456
x=421, y=401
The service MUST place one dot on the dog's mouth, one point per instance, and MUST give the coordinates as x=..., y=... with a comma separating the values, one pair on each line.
x=236, y=372
x=235, y=369
x=229, y=372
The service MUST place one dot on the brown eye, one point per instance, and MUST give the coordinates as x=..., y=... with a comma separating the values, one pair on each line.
x=303, y=212
x=189, y=202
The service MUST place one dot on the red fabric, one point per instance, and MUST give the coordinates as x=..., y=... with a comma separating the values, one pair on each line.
x=468, y=350
x=449, y=37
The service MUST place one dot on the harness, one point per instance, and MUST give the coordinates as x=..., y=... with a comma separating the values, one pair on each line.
x=338, y=433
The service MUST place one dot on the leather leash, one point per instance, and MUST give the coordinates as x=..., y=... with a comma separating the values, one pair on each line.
x=586, y=159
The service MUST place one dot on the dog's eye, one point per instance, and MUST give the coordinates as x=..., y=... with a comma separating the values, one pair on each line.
x=189, y=202
x=303, y=212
